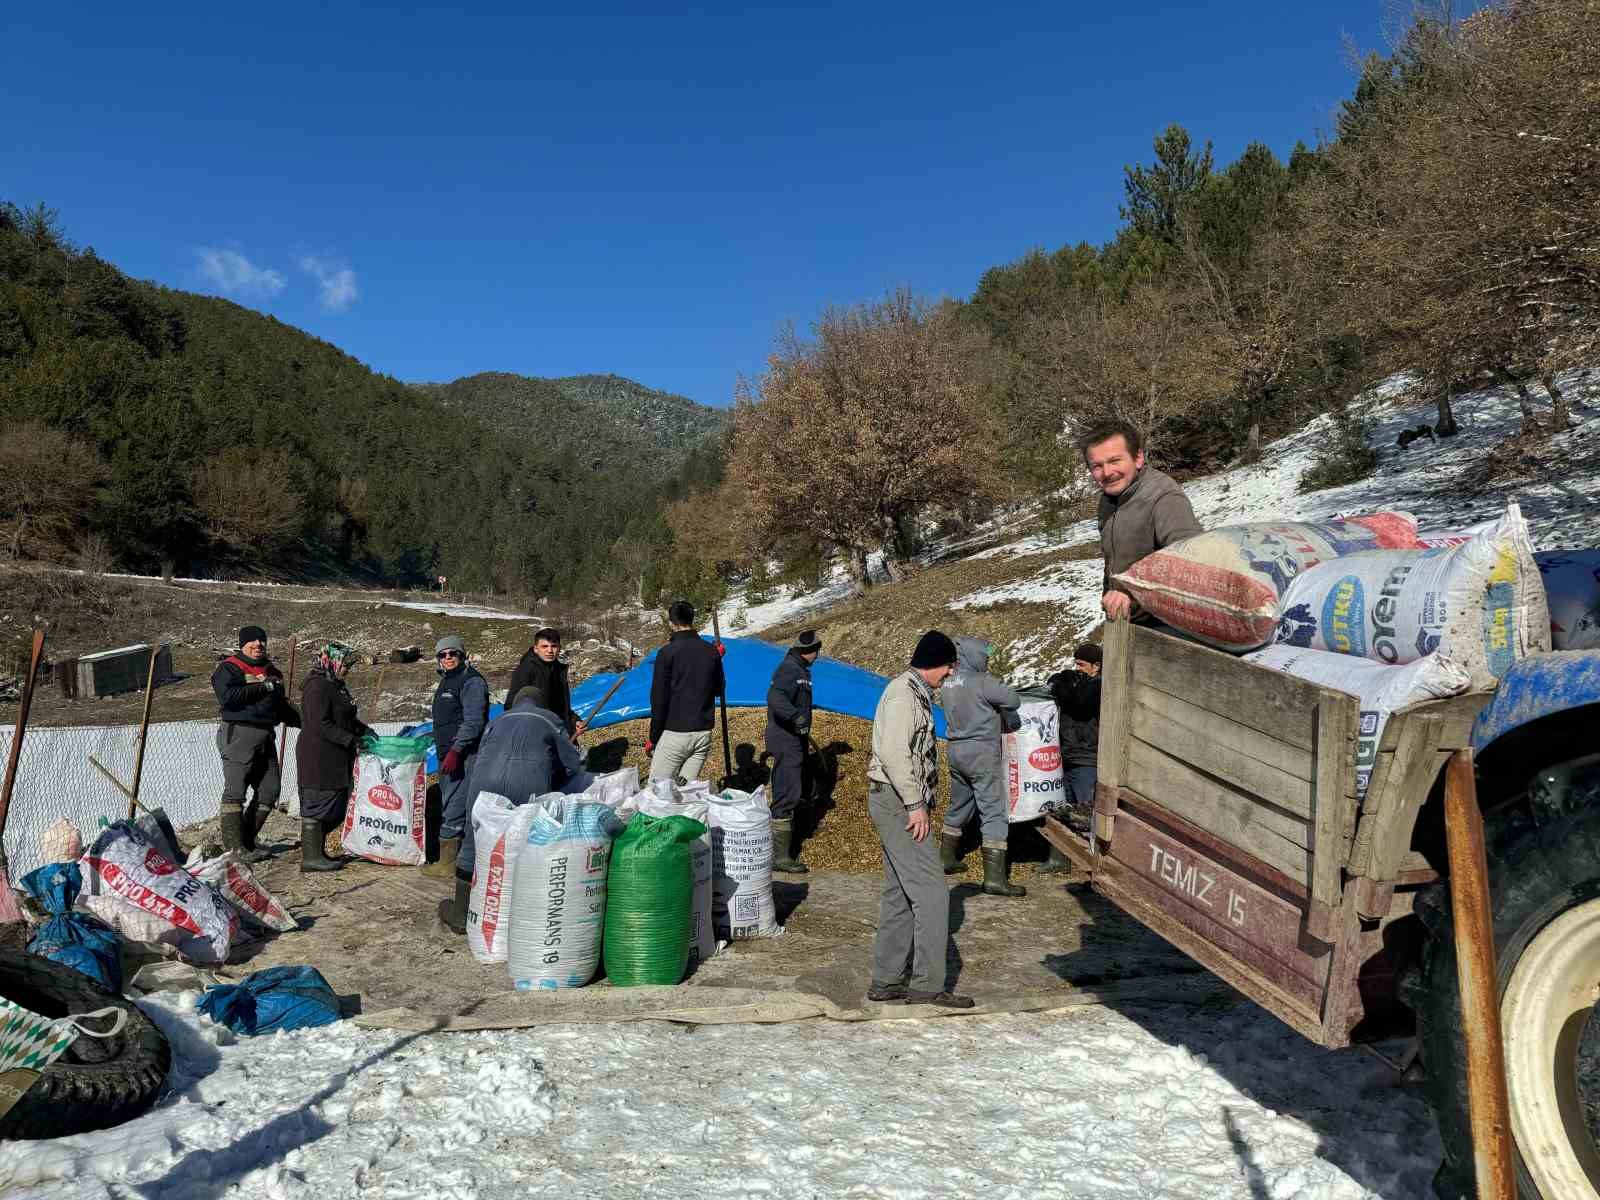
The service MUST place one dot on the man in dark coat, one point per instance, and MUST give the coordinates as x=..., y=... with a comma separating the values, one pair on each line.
x=249, y=692
x=788, y=731
x=686, y=681
x=325, y=752
x=525, y=752
x=542, y=670
x=1077, y=696
x=460, y=712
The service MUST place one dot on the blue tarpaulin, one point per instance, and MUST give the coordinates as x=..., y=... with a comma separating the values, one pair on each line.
x=836, y=686
x=749, y=663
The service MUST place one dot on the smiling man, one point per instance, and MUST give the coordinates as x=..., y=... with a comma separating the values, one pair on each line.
x=1141, y=510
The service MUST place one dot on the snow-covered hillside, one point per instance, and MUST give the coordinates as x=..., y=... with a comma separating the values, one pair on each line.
x=1147, y=1103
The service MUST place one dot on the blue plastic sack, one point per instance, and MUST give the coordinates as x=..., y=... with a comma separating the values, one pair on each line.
x=72, y=939
x=278, y=998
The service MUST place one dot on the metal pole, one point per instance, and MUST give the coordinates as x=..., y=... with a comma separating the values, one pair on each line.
x=1488, y=1105
x=722, y=696
x=144, y=730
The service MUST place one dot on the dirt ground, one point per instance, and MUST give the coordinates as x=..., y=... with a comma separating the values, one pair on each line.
x=373, y=932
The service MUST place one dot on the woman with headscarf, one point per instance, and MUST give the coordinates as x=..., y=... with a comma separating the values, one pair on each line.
x=325, y=753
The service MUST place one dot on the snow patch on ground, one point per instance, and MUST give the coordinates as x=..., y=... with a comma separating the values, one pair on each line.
x=1429, y=479
x=1147, y=1103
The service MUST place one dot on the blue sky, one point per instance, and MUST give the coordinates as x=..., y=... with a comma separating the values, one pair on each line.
x=641, y=189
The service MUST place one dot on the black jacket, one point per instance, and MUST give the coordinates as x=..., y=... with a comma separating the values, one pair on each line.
x=325, y=751
x=685, y=685
x=460, y=711
x=789, y=697
x=1077, y=698
x=247, y=698
x=549, y=680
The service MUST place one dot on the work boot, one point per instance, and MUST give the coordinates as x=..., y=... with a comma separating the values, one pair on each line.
x=783, y=859
x=939, y=999
x=449, y=849
x=1056, y=864
x=995, y=871
x=950, y=852
x=453, y=913
x=230, y=824
x=313, y=854
x=254, y=818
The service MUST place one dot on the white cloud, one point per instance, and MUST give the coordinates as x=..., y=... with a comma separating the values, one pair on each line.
x=338, y=283
x=235, y=275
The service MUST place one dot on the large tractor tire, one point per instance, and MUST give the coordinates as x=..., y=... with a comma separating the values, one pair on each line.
x=1544, y=878
x=98, y=1082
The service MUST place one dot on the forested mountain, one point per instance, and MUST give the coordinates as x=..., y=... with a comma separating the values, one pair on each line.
x=601, y=420
x=156, y=429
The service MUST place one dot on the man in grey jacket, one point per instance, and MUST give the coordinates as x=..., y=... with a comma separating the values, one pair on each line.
x=978, y=712
x=908, y=953
x=1141, y=510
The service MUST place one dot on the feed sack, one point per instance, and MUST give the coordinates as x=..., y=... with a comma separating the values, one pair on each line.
x=1034, y=782
x=1479, y=604
x=1572, y=587
x=499, y=829
x=1382, y=690
x=386, y=820
x=239, y=886
x=741, y=865
x=666, y=799
x=1225, y=586
x=558, y=903
x=124, y=864
x=650, y=897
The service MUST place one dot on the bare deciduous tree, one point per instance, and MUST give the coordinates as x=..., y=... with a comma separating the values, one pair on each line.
x=50, y=481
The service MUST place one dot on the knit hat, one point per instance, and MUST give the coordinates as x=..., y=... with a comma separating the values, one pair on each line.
x=252, y=633
x=1088, y=652
x=808, y=642
x=934, y=649
x=450, y=641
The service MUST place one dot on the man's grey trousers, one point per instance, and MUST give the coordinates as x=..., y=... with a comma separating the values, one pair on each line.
x=914, y=912
x=680, y=755
x=978, y=783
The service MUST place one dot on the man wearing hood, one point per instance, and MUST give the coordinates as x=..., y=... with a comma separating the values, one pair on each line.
x=542, y=670
x=460, y=712
x=325, y=753
x=525, y=752
x=249, y=692
x=978, y=711
x=788, y=729
x=1141, y=510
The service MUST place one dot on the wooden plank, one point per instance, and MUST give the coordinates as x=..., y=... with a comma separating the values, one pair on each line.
x=1270, y=702
x=1336, y=716
x=1075, y=849
x=1417, y=763
x=1280, y=839
x=1206, y=746
x=1342, y=1009
x=1116, y=702
x=1196, y=712
x=1456, y=715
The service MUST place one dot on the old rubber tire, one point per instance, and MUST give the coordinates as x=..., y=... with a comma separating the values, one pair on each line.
x=98, y=1082
x=1544, y=878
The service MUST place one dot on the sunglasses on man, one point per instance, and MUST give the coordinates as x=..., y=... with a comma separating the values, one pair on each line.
x=444, y=654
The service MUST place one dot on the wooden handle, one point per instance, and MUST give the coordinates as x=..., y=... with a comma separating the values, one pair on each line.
x=15, y=756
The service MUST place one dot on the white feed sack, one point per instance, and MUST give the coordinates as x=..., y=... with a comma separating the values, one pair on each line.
x=386, y=820
x=1479, y=604
x=1034, y=782
x=741, y=864
x=616, y=790
x=125, y=866
x=666, y=799
x=242, y=889
x=558, y=903
x=1382, y=690
x=1572, y=586
x=499, y=829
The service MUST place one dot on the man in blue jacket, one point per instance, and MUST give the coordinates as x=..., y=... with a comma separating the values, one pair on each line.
x=978, y=711
x=788, y=730
x=460, y=712
x=525, y=752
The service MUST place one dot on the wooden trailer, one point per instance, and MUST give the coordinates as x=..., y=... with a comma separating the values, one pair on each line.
x=1227, y=819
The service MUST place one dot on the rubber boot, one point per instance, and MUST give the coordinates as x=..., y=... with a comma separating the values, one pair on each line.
x=230, y=823
x=1056, y=864
x=453, y=912
x=995, y=882
x=950, y=852
x=449, y=848
x=255, y=818
x=248, y=826
x=783, y=860
x=313, y=855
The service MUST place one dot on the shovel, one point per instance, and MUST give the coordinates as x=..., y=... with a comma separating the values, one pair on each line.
x=8, y=903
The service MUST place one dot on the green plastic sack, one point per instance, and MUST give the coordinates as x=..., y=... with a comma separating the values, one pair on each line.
x=649, y=901
x=397, y=749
